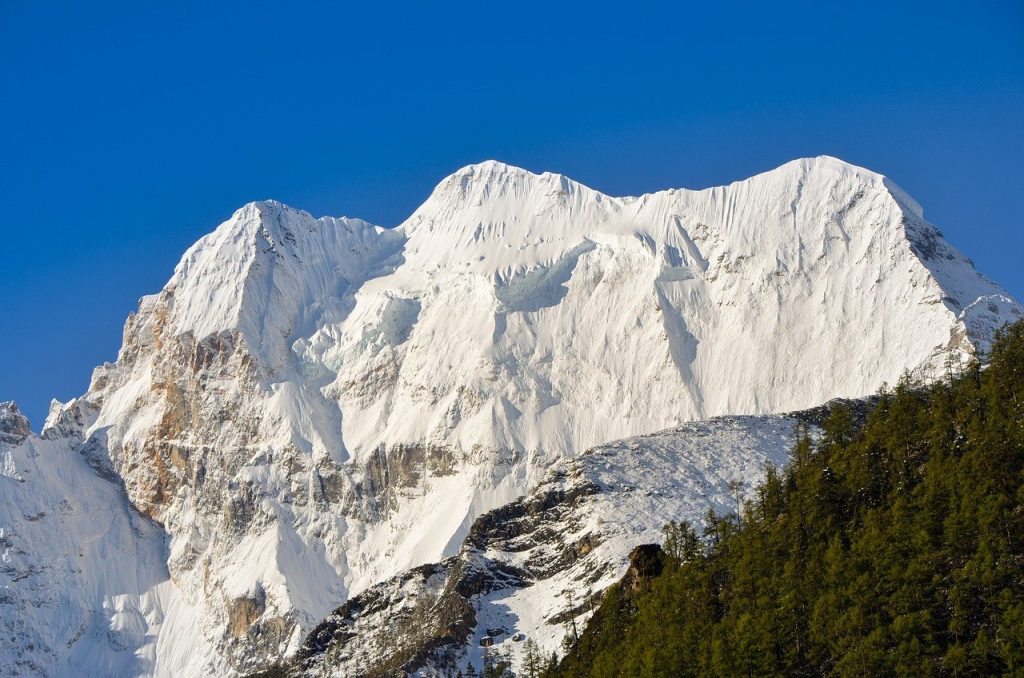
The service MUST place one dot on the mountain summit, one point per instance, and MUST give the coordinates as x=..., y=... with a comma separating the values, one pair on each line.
x=311, y=406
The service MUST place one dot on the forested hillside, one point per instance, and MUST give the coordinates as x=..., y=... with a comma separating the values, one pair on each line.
x=894, y=547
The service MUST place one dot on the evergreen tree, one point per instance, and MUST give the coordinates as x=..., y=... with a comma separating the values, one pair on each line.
x=894, y=546
x=681, y=542
x=532, y=662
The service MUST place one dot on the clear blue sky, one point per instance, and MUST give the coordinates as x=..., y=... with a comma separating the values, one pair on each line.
x=132, y=128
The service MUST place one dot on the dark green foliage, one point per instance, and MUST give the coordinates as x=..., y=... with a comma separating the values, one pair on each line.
x=496, y=665
x=681, y=541
x=895, y=548
x=533, y=661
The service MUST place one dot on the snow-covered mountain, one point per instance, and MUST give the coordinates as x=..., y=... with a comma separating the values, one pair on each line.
x=312, y=406
x=84, y=586
x=522, y=564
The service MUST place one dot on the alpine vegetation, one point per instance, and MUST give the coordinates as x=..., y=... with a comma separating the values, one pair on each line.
x=893, y=547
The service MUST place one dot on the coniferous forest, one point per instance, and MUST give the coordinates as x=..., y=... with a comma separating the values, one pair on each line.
x=892, y=546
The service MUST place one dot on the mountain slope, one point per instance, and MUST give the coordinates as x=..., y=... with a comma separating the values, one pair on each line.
x=84, y=587
x=893, y=549
x=311, y=406
x=521, y=564
x=579, y=317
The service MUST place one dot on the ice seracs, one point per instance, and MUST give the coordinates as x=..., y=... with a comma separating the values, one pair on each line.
x=311, y=406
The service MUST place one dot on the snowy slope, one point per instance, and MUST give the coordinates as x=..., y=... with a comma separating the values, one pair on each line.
x=573, y=533
x=535, y=313
x=84, y=587
x=311, y=406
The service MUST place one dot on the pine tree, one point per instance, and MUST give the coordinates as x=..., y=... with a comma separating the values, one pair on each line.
x=488, y=668
x=531, y=659
x=572, y=633
x=892, y=547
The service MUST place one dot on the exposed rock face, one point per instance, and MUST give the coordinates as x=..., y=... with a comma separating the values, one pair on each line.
x=645, y=561
x=539, y=564
x=312, y=406
x=190, y=424
x=244, y=611
x=14, y=427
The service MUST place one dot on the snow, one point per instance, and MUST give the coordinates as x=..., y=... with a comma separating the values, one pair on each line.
x=311, y=406
x=644, y=483
x=573, y=533
x=771, y=294
x=84, y=586
x=272, y=272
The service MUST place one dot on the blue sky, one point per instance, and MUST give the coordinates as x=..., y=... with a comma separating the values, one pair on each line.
x=130, y=129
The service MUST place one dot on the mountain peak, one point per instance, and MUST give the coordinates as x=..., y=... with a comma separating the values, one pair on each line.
x=492, y=178
x=814, y=163
x=828, y=165
x=486, y=167
x=274, y=221
x=14, y=426
x=271, y=223
x=263, y=269
x=488, y=179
